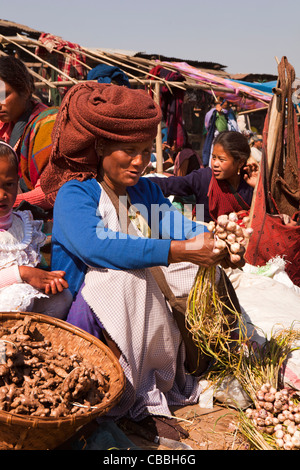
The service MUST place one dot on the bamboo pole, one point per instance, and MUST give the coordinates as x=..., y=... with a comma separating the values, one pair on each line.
x=19, y=40
x=55, y=84
x=132, y=81
x=274, y=118
x=212, y=87
x=166, y=82
x=159, y=153
x=249, y=111
x=43, y=61
x=97, y=56
x=43, y=82
x=120, y=63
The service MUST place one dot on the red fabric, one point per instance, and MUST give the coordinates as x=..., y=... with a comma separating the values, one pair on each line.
x=221, y=200
x=271, y=237
x=70, y=62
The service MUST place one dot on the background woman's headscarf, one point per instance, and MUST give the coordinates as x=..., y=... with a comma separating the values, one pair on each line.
x=90, y=112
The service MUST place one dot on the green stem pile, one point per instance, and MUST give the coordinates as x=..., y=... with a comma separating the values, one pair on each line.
x=205, y=317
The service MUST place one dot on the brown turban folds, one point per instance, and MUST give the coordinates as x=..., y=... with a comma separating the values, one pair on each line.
x=91, y=111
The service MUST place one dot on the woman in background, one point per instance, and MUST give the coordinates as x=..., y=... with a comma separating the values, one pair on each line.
x=25, y=124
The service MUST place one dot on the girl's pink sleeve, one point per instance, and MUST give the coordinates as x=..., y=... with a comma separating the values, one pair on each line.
x=10, y=276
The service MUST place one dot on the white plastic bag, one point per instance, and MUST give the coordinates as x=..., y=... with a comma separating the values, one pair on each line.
x=229, y=392
x=275, y=269
x=267, y=305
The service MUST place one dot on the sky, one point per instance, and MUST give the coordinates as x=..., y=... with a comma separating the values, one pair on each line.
x=244, y=37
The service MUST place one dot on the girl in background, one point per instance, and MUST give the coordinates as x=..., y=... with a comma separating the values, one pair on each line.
x=225, y=187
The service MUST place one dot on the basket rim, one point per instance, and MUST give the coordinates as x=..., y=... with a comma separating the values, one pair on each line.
x=34, y=421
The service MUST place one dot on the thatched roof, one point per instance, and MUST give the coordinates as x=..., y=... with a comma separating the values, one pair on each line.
x=10, y=28
x=254, y=77
x=212, y=67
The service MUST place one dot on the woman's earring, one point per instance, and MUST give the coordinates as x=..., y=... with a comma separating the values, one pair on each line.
x=239, y=172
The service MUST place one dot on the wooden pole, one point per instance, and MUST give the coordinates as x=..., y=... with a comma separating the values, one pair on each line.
x=274, y=117
x=159, y=153
x=249, y=111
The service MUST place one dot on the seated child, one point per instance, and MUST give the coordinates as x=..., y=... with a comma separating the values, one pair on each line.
x=24, y=286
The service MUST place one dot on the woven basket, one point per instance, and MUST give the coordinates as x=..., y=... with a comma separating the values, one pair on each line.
x=34, y=433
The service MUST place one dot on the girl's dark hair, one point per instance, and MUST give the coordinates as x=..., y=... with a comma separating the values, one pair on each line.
x=14, y=72
x=234, y=143
x=9, y=153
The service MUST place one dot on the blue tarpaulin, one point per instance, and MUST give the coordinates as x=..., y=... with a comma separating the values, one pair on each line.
x=266, y=87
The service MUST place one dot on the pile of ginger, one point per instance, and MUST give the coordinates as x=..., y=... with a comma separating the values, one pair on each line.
x=38, y=381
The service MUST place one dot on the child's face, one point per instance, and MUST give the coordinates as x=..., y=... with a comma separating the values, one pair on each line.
x=8, y=186
x=223, y=165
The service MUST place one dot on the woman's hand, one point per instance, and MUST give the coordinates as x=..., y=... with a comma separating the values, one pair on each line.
x=51, y=282
x=251, y=173
x=197, y=250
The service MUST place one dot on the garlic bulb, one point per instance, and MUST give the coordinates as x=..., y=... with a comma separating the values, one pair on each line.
x=277, y=414
x=227, y=228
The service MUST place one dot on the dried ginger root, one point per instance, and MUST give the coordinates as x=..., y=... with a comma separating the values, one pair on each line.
x=37, y=381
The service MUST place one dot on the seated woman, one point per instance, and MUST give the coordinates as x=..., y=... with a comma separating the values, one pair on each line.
x=23, y=285
x=111, y=228
x=225, y=187
x=25, y=124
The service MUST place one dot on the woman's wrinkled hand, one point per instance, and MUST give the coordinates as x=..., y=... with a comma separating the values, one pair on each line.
x=197, y=250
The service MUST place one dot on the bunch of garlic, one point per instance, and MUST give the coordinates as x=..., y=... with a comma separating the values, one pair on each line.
x=231, y=235
x=276, y=414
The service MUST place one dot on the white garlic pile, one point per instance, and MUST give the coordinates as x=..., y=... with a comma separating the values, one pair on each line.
x=277, y=415
x=229, y=234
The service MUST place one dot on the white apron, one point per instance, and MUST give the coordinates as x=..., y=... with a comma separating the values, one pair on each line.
x=135, y=314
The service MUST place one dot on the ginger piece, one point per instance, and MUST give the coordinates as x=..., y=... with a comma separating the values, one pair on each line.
x=4, y=369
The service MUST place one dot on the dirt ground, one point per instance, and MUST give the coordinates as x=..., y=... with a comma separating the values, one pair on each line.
x=209, y=429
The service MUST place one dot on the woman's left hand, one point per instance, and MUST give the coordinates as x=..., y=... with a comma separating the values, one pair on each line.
x=198, y=250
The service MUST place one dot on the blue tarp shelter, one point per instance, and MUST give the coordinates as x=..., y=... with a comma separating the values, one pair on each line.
x=266, y=87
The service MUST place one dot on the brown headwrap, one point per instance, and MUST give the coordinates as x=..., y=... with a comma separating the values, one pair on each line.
x=91, y=111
